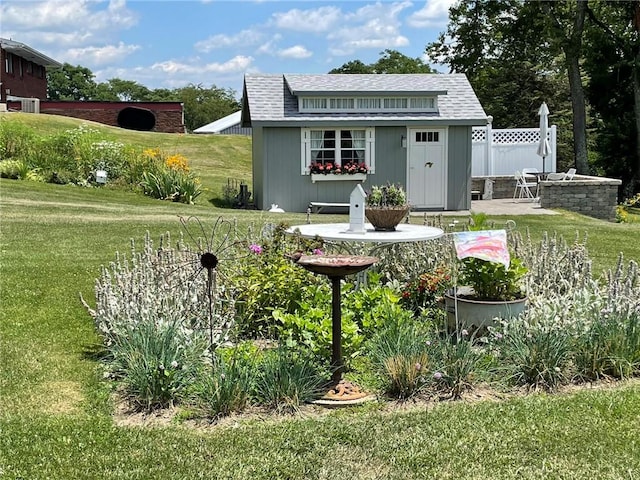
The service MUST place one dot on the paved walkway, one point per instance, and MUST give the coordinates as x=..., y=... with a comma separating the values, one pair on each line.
x=502, y=206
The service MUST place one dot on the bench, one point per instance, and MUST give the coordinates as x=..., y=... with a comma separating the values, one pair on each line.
x=316, y=207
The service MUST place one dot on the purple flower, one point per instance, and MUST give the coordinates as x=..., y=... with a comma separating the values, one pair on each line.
x=498, y=336
x=418, y=367
x=437, y=375
x=317, y=251
x=464, y=332
x=255, y=248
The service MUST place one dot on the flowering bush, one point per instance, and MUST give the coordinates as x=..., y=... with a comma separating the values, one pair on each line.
x=347, y=168
x=424, y=291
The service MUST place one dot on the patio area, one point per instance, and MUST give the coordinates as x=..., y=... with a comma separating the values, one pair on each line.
x=500, y=206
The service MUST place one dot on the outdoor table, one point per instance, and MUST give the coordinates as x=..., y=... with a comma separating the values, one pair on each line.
x=339, y=232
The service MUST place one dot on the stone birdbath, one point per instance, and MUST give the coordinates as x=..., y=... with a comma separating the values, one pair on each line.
x=337, y=267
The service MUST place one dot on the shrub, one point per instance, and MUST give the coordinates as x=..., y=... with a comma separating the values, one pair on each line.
x=16, y=140
x=424, y=291
x=267, y=280
x=286, y=380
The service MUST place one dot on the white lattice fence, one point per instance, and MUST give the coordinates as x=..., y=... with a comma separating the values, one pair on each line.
x=509, y=150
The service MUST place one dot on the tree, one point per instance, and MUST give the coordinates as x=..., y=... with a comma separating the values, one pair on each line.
x=390, y=61
x=71, y=83
x=511, y=41
x=116, y=89
x=613, y=58
x=204, y=105
x=565, y=21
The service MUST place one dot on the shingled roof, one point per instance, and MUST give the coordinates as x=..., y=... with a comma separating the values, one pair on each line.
x=271, y=100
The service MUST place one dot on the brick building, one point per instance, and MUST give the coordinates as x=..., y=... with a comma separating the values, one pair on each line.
x=23, y=86
x=23, y=71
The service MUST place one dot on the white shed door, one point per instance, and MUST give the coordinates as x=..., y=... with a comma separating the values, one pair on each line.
x=426, y=185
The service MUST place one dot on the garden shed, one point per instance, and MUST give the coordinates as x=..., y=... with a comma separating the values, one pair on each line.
x=409, y=129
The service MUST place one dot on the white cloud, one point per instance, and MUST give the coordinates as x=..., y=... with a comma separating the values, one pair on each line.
x=241, y=39
x=100, y=55
x=372, y=26
x=435, y=13
x=270, y=47
x=237, y=64
x=315, y=20
x=297, y=51
x=65, y=15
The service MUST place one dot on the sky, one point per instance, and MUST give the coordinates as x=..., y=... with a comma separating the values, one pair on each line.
x=169, y=44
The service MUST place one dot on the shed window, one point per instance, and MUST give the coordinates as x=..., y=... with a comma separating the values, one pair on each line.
x=337, y=147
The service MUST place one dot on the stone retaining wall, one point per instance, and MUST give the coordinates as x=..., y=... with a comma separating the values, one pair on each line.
x=593, y=196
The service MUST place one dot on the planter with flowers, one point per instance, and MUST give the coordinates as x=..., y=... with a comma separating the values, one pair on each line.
x=352, y=171
x=489, y=291
x=386, y=206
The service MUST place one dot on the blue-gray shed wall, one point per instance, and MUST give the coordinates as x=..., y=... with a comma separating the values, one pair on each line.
x=277, y=175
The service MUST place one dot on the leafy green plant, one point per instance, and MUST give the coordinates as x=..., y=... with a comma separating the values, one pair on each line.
x=14, y=169
x=285, y=380
x=424, y=291
x=268, y=280
x=171, y=184
x=491, y=280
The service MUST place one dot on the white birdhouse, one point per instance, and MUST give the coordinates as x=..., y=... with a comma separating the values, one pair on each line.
x=356, y=210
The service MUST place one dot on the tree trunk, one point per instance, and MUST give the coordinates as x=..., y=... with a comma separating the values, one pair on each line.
x=571, y=44
x=634, y=184
x=579, y=114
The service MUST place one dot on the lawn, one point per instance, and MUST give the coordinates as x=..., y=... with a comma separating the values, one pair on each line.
x=56, y=412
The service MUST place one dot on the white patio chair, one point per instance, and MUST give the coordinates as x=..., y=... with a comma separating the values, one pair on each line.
x=556, y=176
x=523, y=187
x=570, y=173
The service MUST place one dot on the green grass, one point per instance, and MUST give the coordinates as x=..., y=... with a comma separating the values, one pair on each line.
x=55, y=412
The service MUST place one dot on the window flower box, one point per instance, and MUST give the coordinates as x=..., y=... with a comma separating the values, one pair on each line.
x=336, y=177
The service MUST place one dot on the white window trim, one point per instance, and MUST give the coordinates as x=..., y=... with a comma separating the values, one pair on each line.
x=305, y=147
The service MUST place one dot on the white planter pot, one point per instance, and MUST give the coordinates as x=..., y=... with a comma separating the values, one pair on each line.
x=331, y=177
x=475, y=314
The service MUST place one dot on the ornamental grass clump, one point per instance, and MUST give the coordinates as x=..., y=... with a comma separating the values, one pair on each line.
x=286, y=379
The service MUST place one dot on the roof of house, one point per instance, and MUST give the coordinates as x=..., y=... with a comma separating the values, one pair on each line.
x=220, y=124
x=26, y=52
x=272, y=99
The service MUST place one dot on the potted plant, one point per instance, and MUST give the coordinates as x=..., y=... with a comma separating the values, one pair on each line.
x=386, y=206
x=489, y=289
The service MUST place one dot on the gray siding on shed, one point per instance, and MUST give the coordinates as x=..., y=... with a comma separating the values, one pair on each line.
x=277, y=160
x=459, y=169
